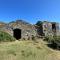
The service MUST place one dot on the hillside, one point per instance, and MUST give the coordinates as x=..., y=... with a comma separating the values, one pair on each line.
x=27, y=50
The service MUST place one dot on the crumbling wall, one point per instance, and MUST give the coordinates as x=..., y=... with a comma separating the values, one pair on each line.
x=27, y=30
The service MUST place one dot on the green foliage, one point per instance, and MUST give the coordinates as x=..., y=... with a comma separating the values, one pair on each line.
x=33, y=38
x=57, y=39
x=54, y=40
x=39, y=23
x=5, y=37
x=46, y=38
x=50, y=38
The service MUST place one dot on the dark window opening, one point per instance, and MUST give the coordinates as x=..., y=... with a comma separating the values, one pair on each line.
x=54, y=27
x=17, y=33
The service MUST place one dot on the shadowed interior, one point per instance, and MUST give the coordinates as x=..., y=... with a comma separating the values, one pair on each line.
x=17, y=33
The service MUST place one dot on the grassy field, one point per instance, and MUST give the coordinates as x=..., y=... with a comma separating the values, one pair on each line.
x=27, y=50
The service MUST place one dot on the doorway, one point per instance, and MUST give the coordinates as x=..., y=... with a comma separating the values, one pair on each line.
x=17, y=33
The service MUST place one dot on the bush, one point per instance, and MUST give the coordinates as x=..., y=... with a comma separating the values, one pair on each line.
x=54, y=41
x=46, y=38
x=5, y=37
x=57, y=38
x=50, y=38
x=33, y=38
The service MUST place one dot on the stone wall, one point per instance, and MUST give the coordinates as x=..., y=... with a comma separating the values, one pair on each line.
x=27, y=30
x=48, y=28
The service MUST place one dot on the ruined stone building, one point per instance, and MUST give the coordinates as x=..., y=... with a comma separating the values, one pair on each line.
x=48, y=28
x=21, y=29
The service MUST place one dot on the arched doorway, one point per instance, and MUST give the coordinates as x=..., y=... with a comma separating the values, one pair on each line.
x=17, y=33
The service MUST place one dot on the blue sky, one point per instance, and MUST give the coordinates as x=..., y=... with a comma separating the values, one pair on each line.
x=30, y=10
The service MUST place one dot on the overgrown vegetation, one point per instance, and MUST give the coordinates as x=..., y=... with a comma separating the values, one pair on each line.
x=39, y=23
x=52, y=38
x=5, y=37
x=26, y=50
x=54, y=41
x=49, y=39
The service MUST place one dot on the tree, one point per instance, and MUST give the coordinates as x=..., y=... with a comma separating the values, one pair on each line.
x=39, y=23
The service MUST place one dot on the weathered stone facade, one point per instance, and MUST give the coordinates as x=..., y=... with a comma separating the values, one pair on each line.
x=21, y=29
x=51, y=28
x=48, y=28
x=26, y=29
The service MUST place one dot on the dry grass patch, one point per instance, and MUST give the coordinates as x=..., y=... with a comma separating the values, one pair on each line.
x=26, y=50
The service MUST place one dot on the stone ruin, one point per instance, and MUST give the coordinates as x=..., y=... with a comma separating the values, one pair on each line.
x=19, y=29
x=48, y=28
x=23, y=30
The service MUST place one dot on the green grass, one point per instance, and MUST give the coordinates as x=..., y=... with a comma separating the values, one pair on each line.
x=26, y=50
x=5, y=37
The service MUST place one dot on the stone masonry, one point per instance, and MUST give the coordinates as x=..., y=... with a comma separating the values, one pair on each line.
x=21, y=29
x=26, y=29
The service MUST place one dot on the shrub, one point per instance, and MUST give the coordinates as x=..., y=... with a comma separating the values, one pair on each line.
x=33, y=38
x=5, y=37
x=46, y=38
x=54, y=41
x=49, y=39
x=57, y=38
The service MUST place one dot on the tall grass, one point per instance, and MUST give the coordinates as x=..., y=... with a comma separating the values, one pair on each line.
x=5, y=37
